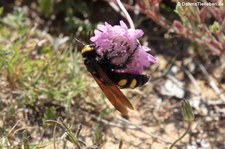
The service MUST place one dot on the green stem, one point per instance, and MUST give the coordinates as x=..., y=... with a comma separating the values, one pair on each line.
x=189, y=126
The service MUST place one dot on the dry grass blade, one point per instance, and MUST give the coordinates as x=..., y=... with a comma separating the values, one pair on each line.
x=212, y=82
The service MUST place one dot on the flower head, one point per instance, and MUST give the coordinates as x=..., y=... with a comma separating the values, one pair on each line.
x=120, y=45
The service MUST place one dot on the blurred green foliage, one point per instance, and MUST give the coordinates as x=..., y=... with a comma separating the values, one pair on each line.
x=46, y=6
x=202, y=26
x=50, y=114
x=75, y=15
x=35, y=70
x=214, y=27
x=1, y=10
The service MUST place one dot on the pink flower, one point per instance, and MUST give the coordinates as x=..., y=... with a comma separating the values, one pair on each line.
x=120, y=45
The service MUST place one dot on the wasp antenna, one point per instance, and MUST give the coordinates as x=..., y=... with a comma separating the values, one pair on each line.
x=77, y=40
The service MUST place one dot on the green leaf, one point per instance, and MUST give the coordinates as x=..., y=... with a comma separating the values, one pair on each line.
x=46, y=7
x=1, y=10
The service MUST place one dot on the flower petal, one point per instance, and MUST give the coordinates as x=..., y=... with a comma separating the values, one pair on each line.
x=120, y=45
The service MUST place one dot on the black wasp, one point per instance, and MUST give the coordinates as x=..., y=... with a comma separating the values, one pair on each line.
x=108, y=80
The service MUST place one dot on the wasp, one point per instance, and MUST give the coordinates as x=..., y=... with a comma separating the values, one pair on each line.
x=110, y=81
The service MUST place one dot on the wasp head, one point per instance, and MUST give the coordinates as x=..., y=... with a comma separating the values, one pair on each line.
x=88, y=50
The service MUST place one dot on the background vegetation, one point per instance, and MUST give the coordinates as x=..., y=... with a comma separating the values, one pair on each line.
x=49, y=100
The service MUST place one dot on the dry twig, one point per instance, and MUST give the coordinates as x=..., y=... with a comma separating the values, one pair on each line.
x=212, y=82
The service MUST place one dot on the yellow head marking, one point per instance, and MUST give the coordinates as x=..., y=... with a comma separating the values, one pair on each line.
x=87, y=48
x=133, y=83
x=122, y=82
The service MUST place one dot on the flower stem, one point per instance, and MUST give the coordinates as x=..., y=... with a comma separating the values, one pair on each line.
x=181, y=137
x=130, y=21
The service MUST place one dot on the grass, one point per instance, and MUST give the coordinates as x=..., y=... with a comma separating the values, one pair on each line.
x=35, y=68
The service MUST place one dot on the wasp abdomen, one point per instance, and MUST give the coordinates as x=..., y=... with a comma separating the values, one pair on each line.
x=125, y=80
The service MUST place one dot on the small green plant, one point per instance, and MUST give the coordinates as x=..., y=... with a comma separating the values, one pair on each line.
x=69, y=135
x=195, y=26
x=25, y=140
x=188, y=116
x=50, y=113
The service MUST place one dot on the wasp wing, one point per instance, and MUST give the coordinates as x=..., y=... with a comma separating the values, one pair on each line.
x=112, y=92
x=110, y=84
